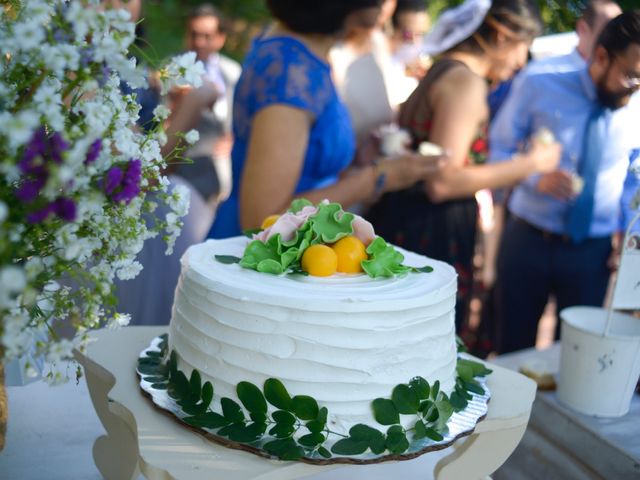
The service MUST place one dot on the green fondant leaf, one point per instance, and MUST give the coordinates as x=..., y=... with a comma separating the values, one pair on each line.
x=231, y=410
x=159, y=386
x=277, y=394
x=298, y=204
x=315, y=426
x=228, y=259
x=270, y=266
x=305, y=407
x=384, y=260
x=251, y=397
x=405, y=399
x=385, y=412
x=425, y=269
x=257, y=252
x=250, y=232
x=331, y=223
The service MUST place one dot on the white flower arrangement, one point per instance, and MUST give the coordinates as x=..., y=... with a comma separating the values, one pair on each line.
x=75, y=173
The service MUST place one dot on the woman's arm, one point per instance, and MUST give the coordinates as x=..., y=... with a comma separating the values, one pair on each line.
x=275, y=157
x=460, y=110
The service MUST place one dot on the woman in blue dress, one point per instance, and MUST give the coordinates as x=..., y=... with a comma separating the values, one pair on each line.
x=292, y=134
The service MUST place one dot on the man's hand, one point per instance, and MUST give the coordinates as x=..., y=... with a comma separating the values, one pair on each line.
x=557, y=184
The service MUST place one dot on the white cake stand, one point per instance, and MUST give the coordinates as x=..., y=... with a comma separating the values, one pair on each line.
x=141, y=439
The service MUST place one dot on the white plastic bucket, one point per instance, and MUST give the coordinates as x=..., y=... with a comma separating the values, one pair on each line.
x=598, y=374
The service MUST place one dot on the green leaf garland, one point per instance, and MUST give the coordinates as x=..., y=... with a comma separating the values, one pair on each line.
x=298, y=425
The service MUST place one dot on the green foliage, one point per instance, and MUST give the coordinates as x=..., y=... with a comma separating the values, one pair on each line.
x=298, y=427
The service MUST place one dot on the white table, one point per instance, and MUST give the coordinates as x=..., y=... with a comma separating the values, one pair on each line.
x=140, y=439
x=566, y=445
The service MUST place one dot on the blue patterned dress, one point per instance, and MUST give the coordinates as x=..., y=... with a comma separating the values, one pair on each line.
x=283, y=71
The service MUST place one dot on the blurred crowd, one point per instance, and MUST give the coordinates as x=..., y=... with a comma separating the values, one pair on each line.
x=447, y=134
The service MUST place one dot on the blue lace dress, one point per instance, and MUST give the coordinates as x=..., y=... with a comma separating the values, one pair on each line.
x=282, y=70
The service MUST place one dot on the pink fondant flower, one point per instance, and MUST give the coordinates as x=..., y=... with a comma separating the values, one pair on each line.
x=286, y=225
x=363, y=230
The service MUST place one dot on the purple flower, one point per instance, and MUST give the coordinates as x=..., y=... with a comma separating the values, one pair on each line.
x=41, y=215
x=37, y=147
x=57, y=146
x=103, y=76
x=113, y=179
x=86, y=56
x=93, y=152
x=30, y=189
x=124, y=187
x=65, y=208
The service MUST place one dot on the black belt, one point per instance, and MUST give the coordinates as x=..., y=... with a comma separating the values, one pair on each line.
x=547, y=235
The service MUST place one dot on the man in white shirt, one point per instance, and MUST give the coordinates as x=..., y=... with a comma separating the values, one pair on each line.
x=210, y=173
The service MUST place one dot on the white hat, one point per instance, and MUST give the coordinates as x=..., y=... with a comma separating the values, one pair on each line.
x=455, y=25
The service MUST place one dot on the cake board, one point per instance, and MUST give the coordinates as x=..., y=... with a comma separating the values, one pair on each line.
x=142, y=440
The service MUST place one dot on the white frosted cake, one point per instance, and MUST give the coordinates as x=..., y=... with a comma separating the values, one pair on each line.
x=343, y=340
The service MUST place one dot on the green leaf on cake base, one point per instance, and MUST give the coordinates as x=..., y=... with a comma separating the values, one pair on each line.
x=276, y=394
x=430, y=407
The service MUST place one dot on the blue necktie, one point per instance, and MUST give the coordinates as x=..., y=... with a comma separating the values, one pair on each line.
x=580, y=212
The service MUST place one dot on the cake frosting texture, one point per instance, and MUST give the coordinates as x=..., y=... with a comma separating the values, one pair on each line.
x=344, y=340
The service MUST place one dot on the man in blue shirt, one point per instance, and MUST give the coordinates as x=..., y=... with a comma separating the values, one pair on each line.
x=558, y=238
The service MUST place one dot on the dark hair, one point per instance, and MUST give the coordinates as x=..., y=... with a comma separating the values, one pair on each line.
x=590, y=12
x=407, y=6
x=620, y=32
x=521, y=17
x=209, y=10
x=317, y=16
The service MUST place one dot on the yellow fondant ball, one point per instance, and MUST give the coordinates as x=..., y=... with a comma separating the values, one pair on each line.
x=350, y=252
x=270, y=220
x=319, y=261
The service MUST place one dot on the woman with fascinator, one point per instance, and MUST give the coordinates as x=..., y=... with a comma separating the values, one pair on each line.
x=474, y=44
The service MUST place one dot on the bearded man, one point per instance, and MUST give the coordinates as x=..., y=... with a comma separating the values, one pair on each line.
x=558, y=237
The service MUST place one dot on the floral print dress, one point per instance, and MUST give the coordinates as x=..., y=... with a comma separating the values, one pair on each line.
x=445, y=231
